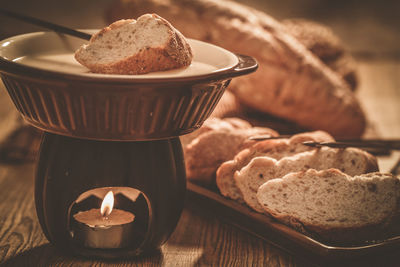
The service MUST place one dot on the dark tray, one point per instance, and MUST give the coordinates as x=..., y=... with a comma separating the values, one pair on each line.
x=279, y=234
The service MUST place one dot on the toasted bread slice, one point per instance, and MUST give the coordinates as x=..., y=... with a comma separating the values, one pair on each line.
x=336, y=207
x=351, y=161
x=276, y=149
x=136, y=47
x=205, y=153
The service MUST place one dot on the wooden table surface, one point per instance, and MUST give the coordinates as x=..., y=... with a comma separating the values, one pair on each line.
x=201, y=238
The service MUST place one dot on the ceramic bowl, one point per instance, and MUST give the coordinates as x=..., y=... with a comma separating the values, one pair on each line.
x=56, y=94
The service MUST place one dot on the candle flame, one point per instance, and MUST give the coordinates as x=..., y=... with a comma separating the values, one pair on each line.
x=107, y=204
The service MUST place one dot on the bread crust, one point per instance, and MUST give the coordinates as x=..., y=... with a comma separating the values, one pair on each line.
x=226, y=124
x=262, y=169
x=272, y=148
x=340, y=232
x=175, y=53
x=291, y=82
x=207, y=151
x=323, y=43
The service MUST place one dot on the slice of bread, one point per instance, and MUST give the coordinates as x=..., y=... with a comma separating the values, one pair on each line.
x=337, y=207
x=352, y=161
x=205, y=153
x=276, y=149
x=136, y=47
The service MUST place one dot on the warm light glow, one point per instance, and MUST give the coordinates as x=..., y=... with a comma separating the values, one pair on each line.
x=107, y=204
x=5, y=44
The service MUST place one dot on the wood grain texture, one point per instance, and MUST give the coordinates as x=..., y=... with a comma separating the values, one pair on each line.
x=379, y=94
x=19, y=226
x=199, y=239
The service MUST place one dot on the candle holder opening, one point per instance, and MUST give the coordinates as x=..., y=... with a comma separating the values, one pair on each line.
x=109, y=218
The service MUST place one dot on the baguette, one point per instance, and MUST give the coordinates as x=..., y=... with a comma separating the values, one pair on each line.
x=351, y=161
x=136, y=47
x=215, y=124
x=323, y=43
x=334, y=206
x=230, y=106
x=291, y=81
x=276, y=149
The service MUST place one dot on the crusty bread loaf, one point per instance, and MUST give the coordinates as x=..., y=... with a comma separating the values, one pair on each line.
x=318, y=38
x=352, y=161
x=230, y=106
x=337, y=207
x=324, y=43
x=136, y=47
x=276, y=149
x=291, y=82
x=206, y=152
x=215, y=124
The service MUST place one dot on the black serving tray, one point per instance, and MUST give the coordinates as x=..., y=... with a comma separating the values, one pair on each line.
x=281, y=235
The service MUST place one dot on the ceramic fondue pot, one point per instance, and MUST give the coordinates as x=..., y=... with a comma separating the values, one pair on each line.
x=111, y=133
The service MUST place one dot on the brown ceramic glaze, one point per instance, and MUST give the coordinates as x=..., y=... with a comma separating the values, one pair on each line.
x=76, y=103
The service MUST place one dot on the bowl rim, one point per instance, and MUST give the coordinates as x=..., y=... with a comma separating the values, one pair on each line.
x=15, y=68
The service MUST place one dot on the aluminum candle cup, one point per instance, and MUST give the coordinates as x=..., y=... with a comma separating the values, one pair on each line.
x=106, y=227
x=94, y=230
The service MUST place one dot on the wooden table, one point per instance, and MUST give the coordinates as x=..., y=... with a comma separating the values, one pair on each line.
x=202, y=238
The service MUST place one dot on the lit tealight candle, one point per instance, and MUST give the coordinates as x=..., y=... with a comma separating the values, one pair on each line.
x=105, y=227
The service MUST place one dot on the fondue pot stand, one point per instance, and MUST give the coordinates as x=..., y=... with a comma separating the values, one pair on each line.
x=115, y=133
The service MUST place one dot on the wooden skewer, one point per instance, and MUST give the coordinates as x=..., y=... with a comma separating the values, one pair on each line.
x=46, y=24
x=375, y=144
x=268, y=137
x=380, y=142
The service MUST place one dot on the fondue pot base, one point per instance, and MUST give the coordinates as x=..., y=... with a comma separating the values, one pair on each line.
x=69, y=167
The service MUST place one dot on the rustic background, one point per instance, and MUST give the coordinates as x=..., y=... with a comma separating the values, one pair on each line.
x=369, y=28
